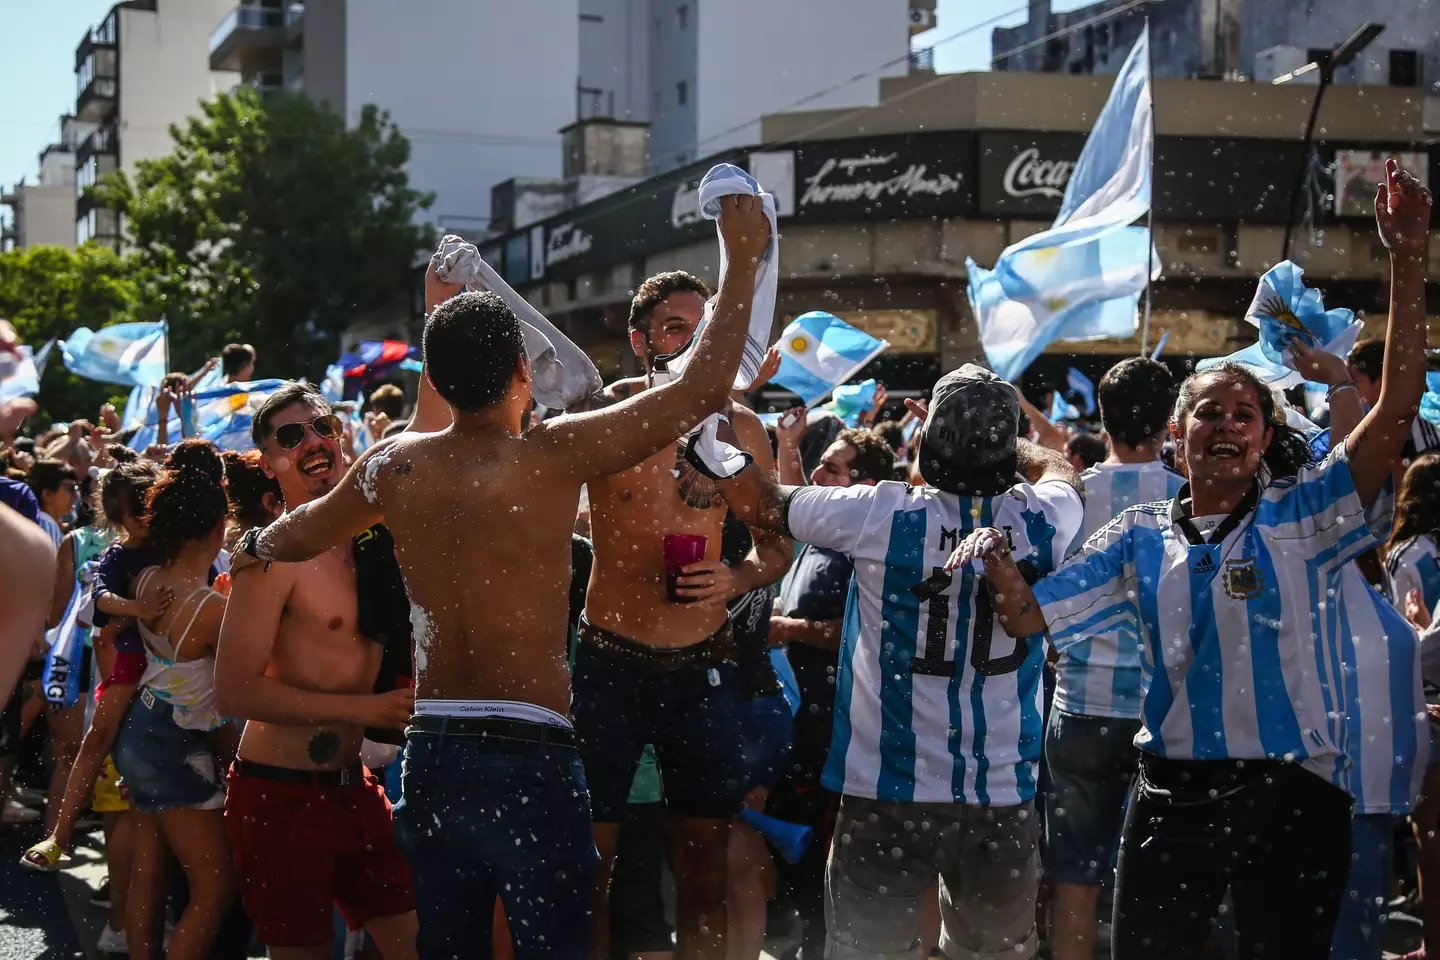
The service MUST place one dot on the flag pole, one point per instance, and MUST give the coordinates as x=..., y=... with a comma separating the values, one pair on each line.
x=1150, y=214
x=165, y=332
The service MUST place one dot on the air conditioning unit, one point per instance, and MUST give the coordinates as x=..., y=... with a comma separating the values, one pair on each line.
x=921, y=19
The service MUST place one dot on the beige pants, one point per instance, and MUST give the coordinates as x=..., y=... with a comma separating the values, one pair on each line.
x=885, y=858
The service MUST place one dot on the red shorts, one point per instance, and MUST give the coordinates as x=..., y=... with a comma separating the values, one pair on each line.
x=300, y=850
x=129, y=668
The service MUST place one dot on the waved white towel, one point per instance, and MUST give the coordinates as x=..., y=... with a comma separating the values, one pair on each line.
x=705, y=451
x=562, y=374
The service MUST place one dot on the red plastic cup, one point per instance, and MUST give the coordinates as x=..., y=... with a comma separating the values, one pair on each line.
x=681, y=550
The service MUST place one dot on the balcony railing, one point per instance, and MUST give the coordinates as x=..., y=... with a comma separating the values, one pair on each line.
x=246, y=17
x=294, y=14
x=100, y=140
x=96, y=100
x=922, y=59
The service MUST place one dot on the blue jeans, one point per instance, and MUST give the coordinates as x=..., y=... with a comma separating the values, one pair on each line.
x=1360, y=927
x=487, y=817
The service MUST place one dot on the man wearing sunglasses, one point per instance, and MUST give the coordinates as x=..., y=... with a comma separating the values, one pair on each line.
x=309, y=826
x=495, y=795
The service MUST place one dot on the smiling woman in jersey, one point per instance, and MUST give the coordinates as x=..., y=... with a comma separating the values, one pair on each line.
x=1237, y=591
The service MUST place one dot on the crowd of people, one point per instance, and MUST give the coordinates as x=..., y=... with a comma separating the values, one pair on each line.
x=936, y=683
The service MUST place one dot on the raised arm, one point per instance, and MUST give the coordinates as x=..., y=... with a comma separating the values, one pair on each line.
x=1402, y=213
x=242, y=655
x=758, y=500
x=432, y=413
x=1046, y=433
x=312, y=528
x=607, y=441
x=788, y=434
x=1039, y=464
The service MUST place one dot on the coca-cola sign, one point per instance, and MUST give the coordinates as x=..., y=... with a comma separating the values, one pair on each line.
x=1031, y=174
x=1024, y=174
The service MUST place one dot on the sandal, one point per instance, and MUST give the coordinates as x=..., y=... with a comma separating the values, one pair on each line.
x=44, y=857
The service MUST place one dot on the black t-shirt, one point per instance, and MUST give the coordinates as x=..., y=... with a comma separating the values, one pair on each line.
x=749, y=618
x=817, y=584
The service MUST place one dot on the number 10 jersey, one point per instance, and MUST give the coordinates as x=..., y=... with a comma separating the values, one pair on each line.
x=934, y=701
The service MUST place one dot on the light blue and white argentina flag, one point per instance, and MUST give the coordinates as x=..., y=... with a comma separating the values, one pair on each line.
x=132, y=354
x=1241, y=658
x=819, y=351
x=1100, y=675
x=934, y=701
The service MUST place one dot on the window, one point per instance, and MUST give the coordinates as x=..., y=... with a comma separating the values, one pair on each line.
x=1404, y=68
x=682, y=15
x=682, y=93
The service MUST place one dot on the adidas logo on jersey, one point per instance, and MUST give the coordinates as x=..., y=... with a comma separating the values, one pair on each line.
x=1205, y=564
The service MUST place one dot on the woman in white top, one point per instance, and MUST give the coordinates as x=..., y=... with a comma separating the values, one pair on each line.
x=166, y=751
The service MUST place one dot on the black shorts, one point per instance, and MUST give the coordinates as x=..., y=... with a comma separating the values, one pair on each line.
x=622, y=701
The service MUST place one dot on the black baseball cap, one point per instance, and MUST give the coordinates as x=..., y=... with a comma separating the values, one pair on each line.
x=967, y=446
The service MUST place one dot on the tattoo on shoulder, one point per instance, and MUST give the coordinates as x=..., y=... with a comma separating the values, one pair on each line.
x=404, y=467
x=324, y=746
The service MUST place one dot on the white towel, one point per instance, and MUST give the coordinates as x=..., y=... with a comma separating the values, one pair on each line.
x=705, y=451
x=561, y=373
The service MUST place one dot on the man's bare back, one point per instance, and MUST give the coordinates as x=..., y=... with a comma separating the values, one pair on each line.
x=318, y=647
x=481, y=529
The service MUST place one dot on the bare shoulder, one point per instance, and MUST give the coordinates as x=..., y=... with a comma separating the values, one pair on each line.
x=748, y=429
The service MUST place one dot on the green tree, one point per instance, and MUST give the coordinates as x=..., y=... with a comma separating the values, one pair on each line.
x=49, y=291
x=273, y=223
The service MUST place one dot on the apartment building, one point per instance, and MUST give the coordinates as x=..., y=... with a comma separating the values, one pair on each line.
x=143, y=68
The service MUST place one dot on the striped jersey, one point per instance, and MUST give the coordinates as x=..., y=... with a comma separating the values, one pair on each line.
x=1414, y=565
x=1100, y=676
x=934, y=701
x=1247, y=638
x=1387, y=729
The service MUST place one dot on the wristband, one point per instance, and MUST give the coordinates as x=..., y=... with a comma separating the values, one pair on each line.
x=1347, y=385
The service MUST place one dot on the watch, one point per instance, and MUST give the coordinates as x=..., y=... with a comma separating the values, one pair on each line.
x=250, y=543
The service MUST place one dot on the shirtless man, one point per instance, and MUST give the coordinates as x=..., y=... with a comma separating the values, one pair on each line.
x=495, y=796
x=309, y=826
x=651, y=670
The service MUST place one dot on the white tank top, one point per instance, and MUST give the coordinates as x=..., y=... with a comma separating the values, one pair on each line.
x=187, y=685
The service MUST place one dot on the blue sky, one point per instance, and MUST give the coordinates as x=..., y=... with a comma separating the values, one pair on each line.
x=37, y=63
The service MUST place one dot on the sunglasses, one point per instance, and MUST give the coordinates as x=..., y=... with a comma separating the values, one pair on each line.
x=288, y=436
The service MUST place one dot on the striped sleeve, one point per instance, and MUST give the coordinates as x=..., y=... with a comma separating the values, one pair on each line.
x=831, y=517
x=1413, y=565
x=1094, y=591
x=1322, y=505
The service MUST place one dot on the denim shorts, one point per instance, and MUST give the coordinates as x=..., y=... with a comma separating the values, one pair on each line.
x=1091, y=762
x=165, y=767
x=767, y=730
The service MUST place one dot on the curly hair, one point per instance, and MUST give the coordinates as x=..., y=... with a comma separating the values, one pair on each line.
x=188, y=502
x=874, y=459
x=1288, y=451
x=657, y=288
x=124, y=487
x=246, y=484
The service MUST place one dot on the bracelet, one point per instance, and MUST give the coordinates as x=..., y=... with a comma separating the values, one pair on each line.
x=1347, y=385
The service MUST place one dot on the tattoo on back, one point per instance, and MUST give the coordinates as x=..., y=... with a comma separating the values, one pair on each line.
x=403, y=468
x=323, y=747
